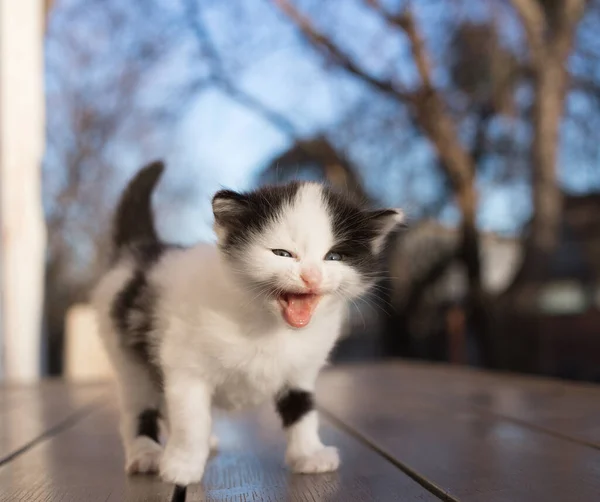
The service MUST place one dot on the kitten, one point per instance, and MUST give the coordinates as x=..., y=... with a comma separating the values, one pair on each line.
x=231, y=325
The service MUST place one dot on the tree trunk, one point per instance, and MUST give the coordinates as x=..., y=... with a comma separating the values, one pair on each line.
x=550, y=44
x=459, y=166
x=547, y=196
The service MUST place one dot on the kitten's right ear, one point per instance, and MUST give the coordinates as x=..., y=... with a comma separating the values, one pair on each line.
x=228, y=206
x=384, y=220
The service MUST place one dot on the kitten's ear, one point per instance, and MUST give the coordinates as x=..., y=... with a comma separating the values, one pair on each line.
x=228, y=206
x=384, y=220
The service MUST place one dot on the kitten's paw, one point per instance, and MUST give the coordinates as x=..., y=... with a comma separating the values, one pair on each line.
x=213, y=443
x=326, y=459
x=181, y=468
x=144, y=456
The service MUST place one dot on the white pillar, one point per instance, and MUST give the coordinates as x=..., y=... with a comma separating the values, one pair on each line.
x=22, y=241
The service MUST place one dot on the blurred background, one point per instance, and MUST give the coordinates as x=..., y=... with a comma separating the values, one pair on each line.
x=479, y=118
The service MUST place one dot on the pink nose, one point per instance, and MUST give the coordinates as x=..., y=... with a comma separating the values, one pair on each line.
x=311, y=277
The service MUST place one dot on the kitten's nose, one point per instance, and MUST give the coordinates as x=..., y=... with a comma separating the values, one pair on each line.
x=312, y=277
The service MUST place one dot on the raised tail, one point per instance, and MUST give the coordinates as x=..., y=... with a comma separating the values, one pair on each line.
x=133, y=223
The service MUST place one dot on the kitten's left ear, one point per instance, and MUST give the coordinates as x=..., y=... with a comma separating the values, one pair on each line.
x=228, y=207
x=384, y=220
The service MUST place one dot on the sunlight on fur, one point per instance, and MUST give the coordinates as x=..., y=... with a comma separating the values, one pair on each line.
x=251, y=319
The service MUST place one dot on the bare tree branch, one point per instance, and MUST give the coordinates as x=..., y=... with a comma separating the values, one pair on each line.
x=405, y=21
x=534, y=23
x=543, y=44
x=221, y=78
x=419, y=52
x=428, y=105
x=568, y=20
x=338, y=55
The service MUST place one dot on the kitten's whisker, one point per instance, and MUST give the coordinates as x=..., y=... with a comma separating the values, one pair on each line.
x=376, y=306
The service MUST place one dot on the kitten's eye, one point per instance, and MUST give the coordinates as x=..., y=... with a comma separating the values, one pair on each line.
x=282, y=252
x=333, y=256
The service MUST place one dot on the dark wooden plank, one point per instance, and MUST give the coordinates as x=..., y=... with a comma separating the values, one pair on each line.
x=567, y=409
x=85, y=462
x=564, y=408
x=27, y=412
x=412, y=414
x=81, y=463
x=250, y=467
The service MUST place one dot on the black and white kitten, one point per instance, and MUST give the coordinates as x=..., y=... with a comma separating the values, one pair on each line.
x=251, y=319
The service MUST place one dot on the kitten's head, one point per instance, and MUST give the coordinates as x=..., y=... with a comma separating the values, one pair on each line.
x=300, y=246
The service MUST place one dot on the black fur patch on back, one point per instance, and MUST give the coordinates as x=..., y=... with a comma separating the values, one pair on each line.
x=148, y=424
x=293, y=405
x=243, y=214
x=133, y=315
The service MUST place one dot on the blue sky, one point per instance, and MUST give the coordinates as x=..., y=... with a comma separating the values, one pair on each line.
x=218, y=143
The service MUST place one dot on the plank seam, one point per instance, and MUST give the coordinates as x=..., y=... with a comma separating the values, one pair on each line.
x=411, y=473
x=54, y=430
x=499, y=376
x=538, y=428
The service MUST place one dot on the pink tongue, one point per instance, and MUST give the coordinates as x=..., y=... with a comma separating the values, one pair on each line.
x=299, y=309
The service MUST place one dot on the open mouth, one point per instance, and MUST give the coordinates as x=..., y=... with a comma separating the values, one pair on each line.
x=297, y=308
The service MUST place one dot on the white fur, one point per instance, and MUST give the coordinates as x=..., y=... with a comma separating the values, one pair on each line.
x=305, y=453
x=221, y=342
x=144, y=456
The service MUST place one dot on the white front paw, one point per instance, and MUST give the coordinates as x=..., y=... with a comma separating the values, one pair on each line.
x=180, y=467
x=326, y=459
x=143, y=456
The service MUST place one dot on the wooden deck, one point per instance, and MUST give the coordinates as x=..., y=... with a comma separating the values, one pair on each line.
x=406, y=432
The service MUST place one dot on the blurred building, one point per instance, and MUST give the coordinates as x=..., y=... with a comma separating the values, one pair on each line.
x=561, y=331
x=426, y=278
x=557, y=330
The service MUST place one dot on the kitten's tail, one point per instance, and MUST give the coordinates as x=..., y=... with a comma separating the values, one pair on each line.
x=133, y=222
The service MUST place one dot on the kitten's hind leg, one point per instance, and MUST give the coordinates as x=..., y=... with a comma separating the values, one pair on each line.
x=140, y=402
x=143, y=456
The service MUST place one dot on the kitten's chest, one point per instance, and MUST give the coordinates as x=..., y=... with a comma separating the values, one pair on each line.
x=255, y=372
